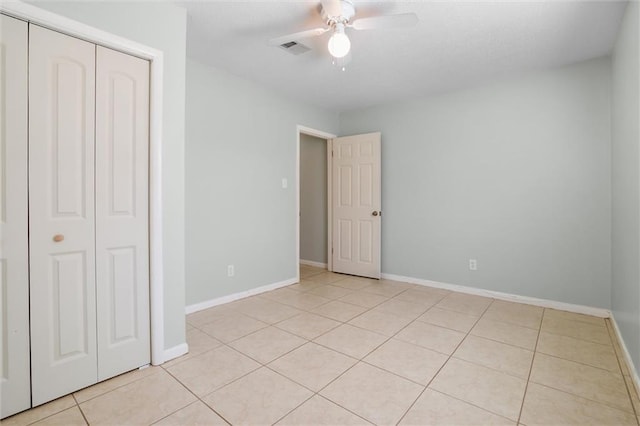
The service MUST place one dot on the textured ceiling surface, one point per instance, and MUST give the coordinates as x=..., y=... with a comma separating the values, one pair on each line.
x=454, y=45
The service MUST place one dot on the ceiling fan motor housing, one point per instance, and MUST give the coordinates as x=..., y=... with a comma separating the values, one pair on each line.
x=348, y=11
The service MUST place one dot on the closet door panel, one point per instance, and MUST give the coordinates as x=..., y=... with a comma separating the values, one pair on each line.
x=61, y=213
x=15, y=379
x=122, y=211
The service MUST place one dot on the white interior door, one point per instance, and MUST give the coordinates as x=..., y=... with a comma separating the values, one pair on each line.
x=356, y=205
x=61, y=214
x=15, y=380
x=122, y=211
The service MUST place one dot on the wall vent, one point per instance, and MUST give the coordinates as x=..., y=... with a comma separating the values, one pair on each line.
x=294, y=48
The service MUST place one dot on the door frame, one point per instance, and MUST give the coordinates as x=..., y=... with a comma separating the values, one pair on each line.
x=52, y=21
x=322, y=135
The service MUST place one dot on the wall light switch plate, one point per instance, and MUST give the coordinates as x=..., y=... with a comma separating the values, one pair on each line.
x=473, y=265
x=285, y=183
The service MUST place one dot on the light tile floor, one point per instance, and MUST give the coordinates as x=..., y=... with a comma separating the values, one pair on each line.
x=340, y=350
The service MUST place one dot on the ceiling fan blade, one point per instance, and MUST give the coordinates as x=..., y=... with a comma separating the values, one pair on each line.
x=332, y=7
x=297, y=36
x=402, y=20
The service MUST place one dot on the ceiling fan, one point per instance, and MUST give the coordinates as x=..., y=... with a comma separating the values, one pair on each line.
x=338, y=16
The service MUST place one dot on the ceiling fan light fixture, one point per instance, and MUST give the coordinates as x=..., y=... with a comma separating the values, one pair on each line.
x=339, y=44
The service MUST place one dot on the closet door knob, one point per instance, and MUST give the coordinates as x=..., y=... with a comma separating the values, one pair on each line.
x=58, y=237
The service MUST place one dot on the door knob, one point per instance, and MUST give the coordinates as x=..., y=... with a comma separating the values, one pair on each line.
x=58, y=237
x=374, y=213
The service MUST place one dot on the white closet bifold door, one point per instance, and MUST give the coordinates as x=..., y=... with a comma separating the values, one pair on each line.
x=61, y=214
x=15, y=391
x=122, y=211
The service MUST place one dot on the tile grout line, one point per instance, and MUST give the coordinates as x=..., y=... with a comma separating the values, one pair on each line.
x=263, y=365
x=358, y=360
x=294, y=408
x=618, y=358
x=370, y=331
x=274, y=325
x=304, y=337
x=580, y=362
x=368, y=309
x=604, y=403
x=267, y=366
x=326, y=399
x=473, y=405
x=313, y=392
x=117, y=387
x=577, y=338
x=328, y=331
x=614, y=341
x=186, y=406
x=310, y=310
x=397, y=297
x=500, y=341
x=81, y=411
x=388, y=298
x=443, y=365
x=45, y=417
x=298, y=306
x=538, y=329
x=361, y=360
x=352, y=292
x=535, y=351
x=197, y=399
x=79, y=404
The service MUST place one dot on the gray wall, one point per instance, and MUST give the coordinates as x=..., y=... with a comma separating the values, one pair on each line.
x=313, y=199
x=162, y=26
x=241, y=142
x=515, y=175
x=625, y=178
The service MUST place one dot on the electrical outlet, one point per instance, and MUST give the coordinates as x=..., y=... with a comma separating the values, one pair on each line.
x=473, y=265
x=230, y=271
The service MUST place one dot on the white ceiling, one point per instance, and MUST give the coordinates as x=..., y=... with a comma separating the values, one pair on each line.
x=455, y=44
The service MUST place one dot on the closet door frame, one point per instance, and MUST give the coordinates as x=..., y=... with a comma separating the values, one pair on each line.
x=15, y=377
x=73, y=28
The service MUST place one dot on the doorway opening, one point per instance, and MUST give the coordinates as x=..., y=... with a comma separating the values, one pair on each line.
x=313, y=201
x=314, y=195
x=353, y=203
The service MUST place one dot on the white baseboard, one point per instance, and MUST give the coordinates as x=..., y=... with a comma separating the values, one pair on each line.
x=313, y=263
x=580, y=309
x=627, y=356
x=175, y=352
x=236, y=296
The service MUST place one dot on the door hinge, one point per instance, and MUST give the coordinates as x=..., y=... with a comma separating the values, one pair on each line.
x=332, y=153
